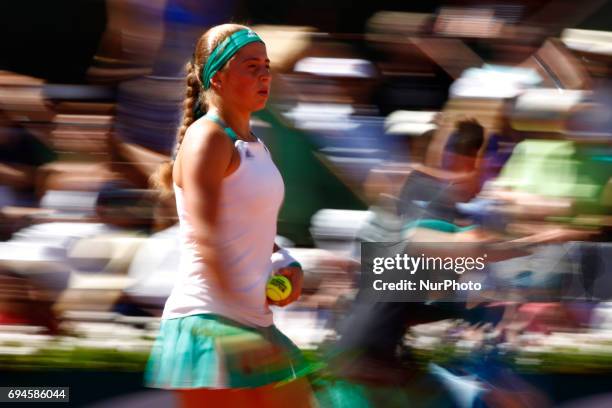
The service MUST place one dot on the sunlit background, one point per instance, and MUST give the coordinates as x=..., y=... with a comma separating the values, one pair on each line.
x=373, y=121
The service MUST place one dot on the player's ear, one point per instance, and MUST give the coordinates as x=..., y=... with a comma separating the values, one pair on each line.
x=216, y=81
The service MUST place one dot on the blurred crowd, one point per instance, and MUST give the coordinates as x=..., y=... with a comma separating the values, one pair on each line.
x=469, y=122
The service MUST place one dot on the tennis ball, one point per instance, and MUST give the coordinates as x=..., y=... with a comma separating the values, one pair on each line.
x=278, y=288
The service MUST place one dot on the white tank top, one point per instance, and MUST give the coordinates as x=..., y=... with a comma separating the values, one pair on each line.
x=249, y=204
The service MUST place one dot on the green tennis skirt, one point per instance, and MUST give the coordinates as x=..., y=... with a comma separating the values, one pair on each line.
x=211, y=351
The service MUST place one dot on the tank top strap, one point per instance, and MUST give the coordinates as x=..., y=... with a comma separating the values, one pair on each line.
x=215, y=118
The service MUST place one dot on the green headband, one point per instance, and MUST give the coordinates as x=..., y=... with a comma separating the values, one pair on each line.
x=226, y=50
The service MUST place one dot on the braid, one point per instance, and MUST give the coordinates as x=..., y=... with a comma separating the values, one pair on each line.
x=162, y=179
x=191, y=105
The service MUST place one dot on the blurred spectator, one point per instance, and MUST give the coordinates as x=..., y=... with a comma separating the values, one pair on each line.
x=23, y=302
x=373, y=331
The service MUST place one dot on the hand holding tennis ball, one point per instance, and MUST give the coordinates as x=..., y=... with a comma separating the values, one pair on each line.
x=285, y=286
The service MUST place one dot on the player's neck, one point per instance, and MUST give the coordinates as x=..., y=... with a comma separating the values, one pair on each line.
x=239, y=121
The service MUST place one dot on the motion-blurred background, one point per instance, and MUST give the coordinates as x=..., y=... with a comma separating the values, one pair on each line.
x=389, y=120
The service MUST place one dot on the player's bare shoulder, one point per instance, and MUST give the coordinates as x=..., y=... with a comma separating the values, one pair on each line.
x=204, y=137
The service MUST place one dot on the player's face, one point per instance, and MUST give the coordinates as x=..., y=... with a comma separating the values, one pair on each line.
x=246, y=78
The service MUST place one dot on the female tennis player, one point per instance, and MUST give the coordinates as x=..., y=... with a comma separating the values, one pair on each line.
x=217, y=343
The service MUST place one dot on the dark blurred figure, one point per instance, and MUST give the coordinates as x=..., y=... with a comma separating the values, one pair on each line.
x=23, y=302
x=122, y=206
x=373, y=332
x=149, y=106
